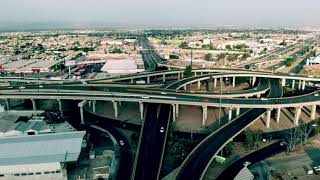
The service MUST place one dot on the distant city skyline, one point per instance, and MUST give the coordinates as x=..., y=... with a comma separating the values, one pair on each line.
x=250, y=13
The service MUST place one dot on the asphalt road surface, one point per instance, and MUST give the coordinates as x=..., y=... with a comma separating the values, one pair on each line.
x=152, y=142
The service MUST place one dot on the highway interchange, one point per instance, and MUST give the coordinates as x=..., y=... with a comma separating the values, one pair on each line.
x=160, y=103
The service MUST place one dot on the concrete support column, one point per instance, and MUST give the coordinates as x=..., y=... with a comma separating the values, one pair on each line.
x=278, y=115
x=199, y=85
x=268, y=118
x=297, y=115
x=173, y=112
x=237, y=111
x=148, y=79
x=254, y=80
x=141, y=110
x=299, y=85
x=94, y=105
x=221, y=79
x=215, y=82
x=81, y=115
x=182, y=75
x=177, y=110
x=7, y=104
x=115, y=108
x=81, y=105
x=131, y=81
x=60, y=105
x=283, y=82
x=247, y=97
x=185, y=87
x=204, y=115
x=201, y=73
x=303, y=86
x=164, y=77
x=233, y=81
x=229, y=114
x=258, y=95
x=313, y=112
x=34, y=106
x=293, y=83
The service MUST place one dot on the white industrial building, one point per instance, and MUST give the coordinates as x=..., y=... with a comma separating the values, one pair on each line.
x=313, y=61
x=123, y=66
x=37, y=150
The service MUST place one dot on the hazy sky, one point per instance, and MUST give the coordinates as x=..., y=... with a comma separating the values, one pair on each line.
x=166, y=12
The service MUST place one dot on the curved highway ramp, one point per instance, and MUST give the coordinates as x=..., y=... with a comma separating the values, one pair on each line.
x=197, y=162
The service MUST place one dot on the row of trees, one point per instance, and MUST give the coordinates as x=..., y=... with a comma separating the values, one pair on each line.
x=229, y=57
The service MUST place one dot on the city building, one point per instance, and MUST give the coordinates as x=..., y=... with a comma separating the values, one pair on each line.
x=34, y=149
x=313, y=61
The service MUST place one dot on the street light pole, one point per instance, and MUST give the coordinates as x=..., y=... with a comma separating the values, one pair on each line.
x=191, y=58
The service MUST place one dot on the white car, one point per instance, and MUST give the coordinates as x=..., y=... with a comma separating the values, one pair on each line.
x=316, y=94
x=283, y=143
x=40, y=86
x=145, y=97
x=10, y=87
x=247, y=163
x=263, y=99
x=121, y=142
x=164, y=93
x=162, y=129
x=22, y=87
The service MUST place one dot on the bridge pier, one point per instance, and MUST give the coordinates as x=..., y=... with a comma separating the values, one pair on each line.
x=233, y=81
x=131, y=81
x=177, y=110
x=164, y=77
x=254, y=80
x=7, y=104
x=299, y=85
x=60, y=105
x=303, y=86
x=258, y=95
x=204, y=115
x=81, y=105
x=283, y=82
x=293, y=84
x=181, y=75
x=215, y=82
x=94, y=106
x=115, y=108
x=278, y=115
x=148, y=79
x=141, y=110
x=237, y=111
x=297, y=115
x=173, y=113
x=185, y=87
x=313, y=112
x=229, y=114
x=34, y=105
x=268, y=118
x=199, y=85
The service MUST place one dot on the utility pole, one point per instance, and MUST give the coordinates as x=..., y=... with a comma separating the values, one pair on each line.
x=191, y=58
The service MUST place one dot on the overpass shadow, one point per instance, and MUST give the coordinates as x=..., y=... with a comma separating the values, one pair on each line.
x=314, y=154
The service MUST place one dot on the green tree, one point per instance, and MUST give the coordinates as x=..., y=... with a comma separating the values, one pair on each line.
x=208, y=57
x=252, y=138
x=173, y=56
x=228, y=47
x=245, y=56
x=188, y=71
x=116, y=50
x=183, y=45
x=221, y=56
